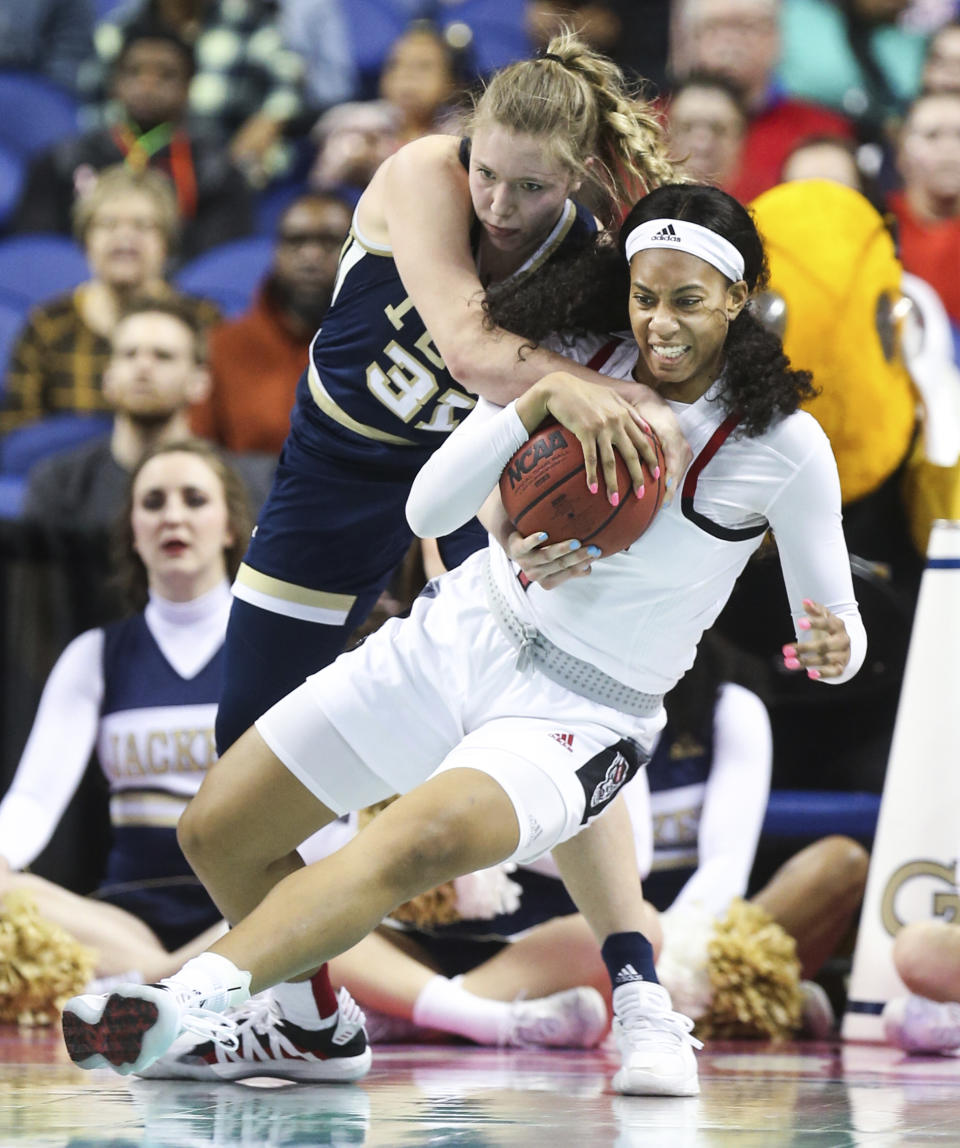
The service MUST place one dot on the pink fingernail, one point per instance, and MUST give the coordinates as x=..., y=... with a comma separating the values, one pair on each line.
x=808, y=603
x=789, y=651
x=804, y=624
x=813, y=674
x=640, y=491
x=593, y=487
x=656, y=472
x=792, y=663
x=615, y=499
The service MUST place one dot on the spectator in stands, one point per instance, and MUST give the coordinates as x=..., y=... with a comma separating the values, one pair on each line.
x=127, y=224
x=707, y=126
x=853, y=56
x=247, y=88
x=256, y=360
x=50, y=37
x=417, y=88
x=157, y=369
x=941, y=65
x=824, y=157
x=926, y=955
x=927, y=208
x=741, y=39
x=150, y=85
x=352, y=141
x=141, y=693
x=420, y=79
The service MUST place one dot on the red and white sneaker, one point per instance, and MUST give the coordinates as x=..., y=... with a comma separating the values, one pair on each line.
x=268, y=1045
x=129, y=1028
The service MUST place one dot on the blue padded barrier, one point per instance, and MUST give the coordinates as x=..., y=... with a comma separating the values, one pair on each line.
x=816, y=813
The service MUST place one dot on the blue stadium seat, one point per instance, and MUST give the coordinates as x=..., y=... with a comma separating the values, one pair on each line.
x=33, y=268
x=21, y=448
x=34, y=112
x=274, y=201
x=12, y=490
x=498, y=27
x=12, y=171
x=228, y=274
x=372, y=27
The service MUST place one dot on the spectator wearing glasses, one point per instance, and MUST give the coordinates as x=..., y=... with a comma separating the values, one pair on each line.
x=741, y=39
x=256, y=360
x=707, y=127
x=127, y=224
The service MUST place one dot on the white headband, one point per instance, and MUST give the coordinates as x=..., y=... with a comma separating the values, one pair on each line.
x=681, y=235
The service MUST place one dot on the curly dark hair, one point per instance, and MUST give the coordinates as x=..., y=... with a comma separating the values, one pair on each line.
x=587, y=290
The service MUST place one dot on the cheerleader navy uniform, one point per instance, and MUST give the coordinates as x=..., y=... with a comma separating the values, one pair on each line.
x=142, y=693
x=374, y=403
x=154, y=746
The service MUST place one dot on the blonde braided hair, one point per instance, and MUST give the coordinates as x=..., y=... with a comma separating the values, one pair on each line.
x=605, y=133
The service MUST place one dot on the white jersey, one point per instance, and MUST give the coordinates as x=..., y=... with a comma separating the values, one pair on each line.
x=640, y=614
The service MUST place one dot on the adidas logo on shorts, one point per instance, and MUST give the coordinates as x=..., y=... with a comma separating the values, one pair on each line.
x=666, y=235
x=565, y=739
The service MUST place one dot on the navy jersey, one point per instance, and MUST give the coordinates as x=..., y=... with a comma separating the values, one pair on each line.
x=374, y=403
x=375, y=372
x=155, y=744
x=156, y=727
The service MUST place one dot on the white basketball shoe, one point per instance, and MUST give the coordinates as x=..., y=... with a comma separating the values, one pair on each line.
x=655, y=1042
x=575, y=1018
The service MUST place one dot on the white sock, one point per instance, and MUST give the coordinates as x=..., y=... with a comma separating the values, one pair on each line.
x=446, y=1005
x=297, y=1004
x=220, y=982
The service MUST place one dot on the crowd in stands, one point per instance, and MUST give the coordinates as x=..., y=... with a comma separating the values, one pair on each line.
x=204, y=157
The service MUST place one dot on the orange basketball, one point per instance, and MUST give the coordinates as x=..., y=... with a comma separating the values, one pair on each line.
x=544, y=487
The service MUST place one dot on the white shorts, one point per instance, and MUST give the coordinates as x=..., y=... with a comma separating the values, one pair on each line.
x=440, y=690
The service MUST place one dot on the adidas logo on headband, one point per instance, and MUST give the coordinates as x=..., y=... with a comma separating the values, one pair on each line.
x=666, y=235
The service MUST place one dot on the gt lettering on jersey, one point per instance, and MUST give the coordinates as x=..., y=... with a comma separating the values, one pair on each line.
x=409, y=384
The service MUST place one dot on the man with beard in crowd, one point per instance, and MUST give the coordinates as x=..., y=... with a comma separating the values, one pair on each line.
x=256, y=360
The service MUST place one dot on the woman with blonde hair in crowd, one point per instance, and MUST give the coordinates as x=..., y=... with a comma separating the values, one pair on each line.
x=127, y=223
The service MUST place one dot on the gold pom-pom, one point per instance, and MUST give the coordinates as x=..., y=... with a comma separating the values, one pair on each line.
x=41, y=965
x=434, y=907
x=755, y=974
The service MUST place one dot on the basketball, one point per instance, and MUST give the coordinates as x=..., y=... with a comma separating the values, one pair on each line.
x=544, y=487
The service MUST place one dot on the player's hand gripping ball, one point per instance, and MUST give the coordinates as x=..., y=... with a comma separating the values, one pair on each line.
x=544, y=488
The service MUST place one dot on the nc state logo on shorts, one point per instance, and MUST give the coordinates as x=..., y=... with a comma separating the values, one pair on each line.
x=616, y=775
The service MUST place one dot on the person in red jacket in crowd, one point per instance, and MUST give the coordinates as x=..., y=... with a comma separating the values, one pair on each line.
x=256, y=359
x=741, y=39
x=927, y=208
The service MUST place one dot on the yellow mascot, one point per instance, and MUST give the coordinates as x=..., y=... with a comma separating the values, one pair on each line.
x=889, y=401
x=847, y=313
